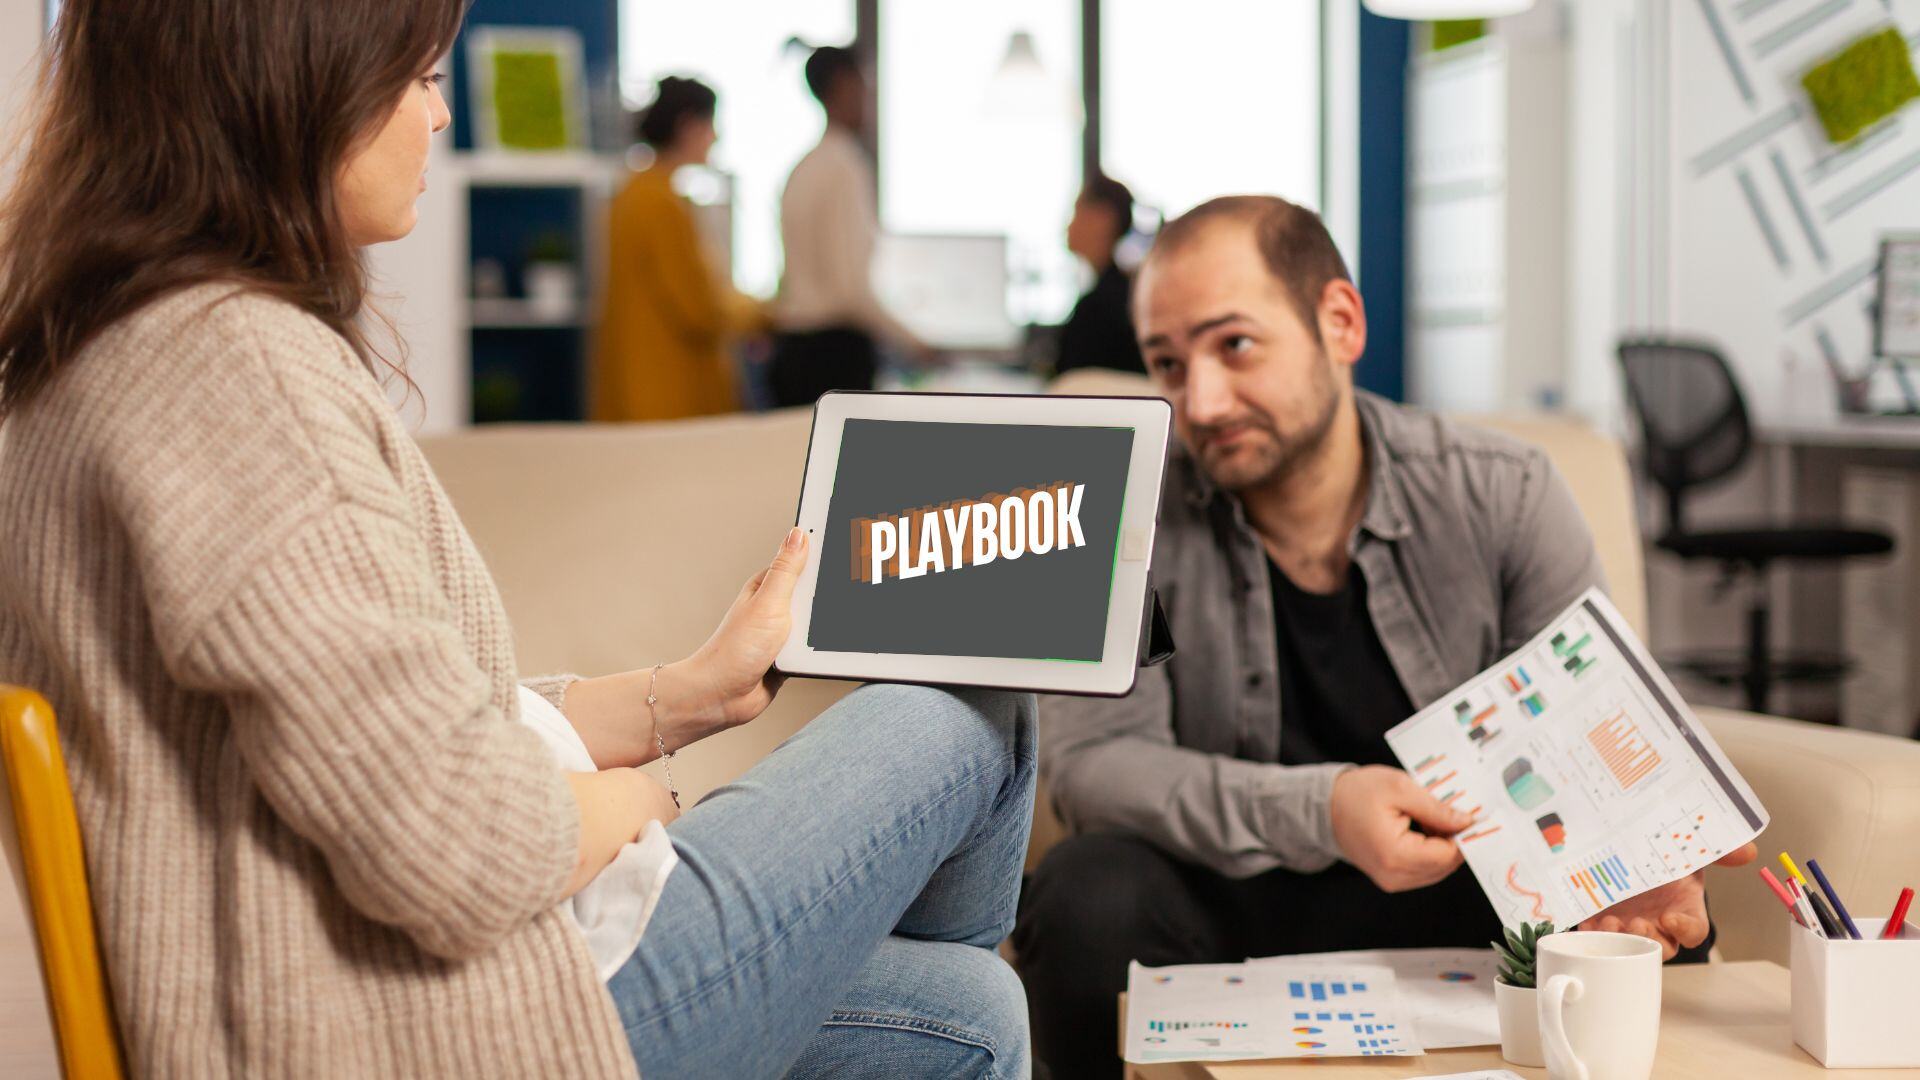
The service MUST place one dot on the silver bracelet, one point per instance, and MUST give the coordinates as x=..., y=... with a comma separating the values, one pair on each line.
x=666, y=759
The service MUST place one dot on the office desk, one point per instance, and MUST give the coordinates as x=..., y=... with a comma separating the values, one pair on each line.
x=1716, y=1021
x=1895, y=433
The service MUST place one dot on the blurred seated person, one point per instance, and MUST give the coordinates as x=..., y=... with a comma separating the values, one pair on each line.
x=828, y=317
x=1331, y=562
x=668, y=317
x=1099, y=333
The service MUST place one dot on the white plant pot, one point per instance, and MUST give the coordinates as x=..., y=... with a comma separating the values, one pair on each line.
x=553, y=289
x=1519, y=1025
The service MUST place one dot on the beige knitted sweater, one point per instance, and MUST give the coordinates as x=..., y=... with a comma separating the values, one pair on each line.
x=319, y=845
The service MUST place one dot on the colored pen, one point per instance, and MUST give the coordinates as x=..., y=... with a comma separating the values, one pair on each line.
x=1897, y=922
x=1786, y=860
x=1833, y=894
x=1828, y=920
x=1780, y=891
x=1807, y=910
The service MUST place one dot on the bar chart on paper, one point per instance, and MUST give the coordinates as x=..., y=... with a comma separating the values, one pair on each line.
x=1235, y=1012
x=1603, y=882
x=1446, y=994
x=1321, y=991
x=1588, y=779
x=1625, y=752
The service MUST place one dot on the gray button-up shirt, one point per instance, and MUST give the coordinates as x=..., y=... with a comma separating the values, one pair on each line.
x=1470, y=543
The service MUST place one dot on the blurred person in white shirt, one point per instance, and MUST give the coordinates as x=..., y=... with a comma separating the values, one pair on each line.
x=829, y=321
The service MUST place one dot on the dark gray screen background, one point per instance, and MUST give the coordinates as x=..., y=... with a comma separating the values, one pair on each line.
x=1036, y=607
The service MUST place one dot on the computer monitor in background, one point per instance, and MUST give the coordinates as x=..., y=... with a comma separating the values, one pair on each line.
x=1896, y=324
x=949, y=290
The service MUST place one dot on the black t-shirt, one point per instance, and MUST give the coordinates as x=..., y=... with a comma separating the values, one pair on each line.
x=1338, y=691
x=1099, y=333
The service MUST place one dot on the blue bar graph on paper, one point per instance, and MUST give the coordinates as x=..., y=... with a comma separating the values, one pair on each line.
x=1321, y=991
x=1346, y=1016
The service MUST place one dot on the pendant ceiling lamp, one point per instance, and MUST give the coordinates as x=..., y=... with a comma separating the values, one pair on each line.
x=1428, y=10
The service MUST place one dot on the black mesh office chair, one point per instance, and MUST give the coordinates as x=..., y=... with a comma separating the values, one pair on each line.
x=1695, y=427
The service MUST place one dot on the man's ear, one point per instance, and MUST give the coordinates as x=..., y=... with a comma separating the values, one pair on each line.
x=1343, y=322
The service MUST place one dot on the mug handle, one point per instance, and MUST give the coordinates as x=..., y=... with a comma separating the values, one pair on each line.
x=1553, y=1022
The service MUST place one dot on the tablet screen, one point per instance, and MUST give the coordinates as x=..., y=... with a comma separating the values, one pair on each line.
x=989, y=540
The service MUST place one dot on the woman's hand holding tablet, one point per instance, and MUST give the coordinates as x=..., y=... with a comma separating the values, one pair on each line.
x=983, y=540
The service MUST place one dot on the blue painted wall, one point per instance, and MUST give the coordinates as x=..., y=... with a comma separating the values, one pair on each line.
x=597, y=21
x=1384, y=51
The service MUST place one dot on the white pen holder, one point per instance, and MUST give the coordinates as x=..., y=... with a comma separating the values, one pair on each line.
x=1853, y=1000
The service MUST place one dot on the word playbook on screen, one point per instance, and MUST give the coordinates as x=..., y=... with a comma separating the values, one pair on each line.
x=968, y=532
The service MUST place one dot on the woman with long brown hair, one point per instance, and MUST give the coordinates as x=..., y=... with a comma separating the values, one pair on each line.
x=319, y=841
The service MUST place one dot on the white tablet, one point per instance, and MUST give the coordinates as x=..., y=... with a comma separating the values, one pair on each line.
x=978, y=540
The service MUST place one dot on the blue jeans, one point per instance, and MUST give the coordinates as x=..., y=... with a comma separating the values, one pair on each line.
x=836, y=909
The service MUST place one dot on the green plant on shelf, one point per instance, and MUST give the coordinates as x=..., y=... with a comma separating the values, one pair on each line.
x=497, y=396
x=1520, y=952
x=1862, y=84
x=551, y=246
x=1448, y=33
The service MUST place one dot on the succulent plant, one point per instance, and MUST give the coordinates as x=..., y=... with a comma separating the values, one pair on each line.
x=1518, y=953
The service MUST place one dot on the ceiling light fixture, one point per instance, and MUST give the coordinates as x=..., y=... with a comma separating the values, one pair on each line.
x=1429, y=10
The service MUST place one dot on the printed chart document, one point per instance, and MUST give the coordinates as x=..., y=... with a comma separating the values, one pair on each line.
x=1588, y=779
x=1446, y=994
x=1272, y=1009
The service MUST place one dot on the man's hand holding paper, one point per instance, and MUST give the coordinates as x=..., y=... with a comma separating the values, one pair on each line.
x=1375, y=811
x=1596, y=796
x=1675, y=914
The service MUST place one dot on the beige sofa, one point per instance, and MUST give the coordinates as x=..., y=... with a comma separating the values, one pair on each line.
x=619, y=546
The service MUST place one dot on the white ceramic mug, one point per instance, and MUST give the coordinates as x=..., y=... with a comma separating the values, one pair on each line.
x=1599, y=1005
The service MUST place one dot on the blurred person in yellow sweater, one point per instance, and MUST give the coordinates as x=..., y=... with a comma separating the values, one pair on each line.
x=668, y=316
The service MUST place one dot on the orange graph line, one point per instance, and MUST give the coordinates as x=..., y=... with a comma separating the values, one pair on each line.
x=1437, y=781
x=1477, y=835
x=1539, y=901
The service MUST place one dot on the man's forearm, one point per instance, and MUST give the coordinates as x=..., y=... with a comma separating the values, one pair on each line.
x=1238, y=818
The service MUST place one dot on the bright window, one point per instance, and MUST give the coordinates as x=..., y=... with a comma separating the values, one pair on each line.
x=766, y=118
x=1211, y=97
x=980, y=133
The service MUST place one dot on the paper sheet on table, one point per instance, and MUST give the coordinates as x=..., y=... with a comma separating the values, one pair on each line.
x=1590, y=781
x=1485, y=1074
x=1241, y=1012
x=1446, y=994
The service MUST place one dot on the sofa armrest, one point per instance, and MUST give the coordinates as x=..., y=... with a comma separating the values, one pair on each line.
x=1848, y=798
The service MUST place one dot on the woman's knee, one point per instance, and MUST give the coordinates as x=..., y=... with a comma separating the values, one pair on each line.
x=926, y=1009
x=974, y=722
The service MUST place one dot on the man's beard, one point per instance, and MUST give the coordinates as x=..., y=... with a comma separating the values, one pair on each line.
x=1282, y=454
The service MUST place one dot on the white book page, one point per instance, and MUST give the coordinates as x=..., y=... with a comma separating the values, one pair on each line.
x=1447, y=994
x=1589, y=779
x=1273, y=1009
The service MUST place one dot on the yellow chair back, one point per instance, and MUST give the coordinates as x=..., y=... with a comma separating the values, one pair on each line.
x=41, y=838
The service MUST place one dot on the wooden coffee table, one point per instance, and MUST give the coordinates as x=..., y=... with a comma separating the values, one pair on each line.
x=1716, y=1021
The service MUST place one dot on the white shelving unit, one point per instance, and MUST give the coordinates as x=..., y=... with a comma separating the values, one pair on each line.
x=590, y=180
x=510, y=313
x=568, y=169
